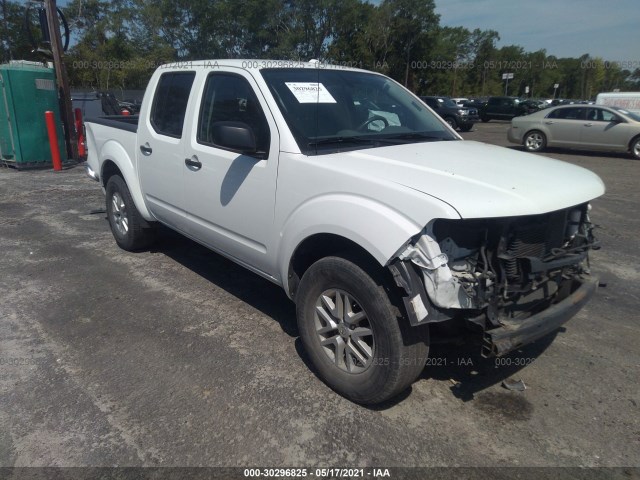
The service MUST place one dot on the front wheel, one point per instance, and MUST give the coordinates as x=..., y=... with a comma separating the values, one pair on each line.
x=354, y=336
x=452, y=122
x=127, y=225
x=535, y=141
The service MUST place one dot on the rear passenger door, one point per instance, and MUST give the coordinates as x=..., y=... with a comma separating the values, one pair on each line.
x=565, y=126
x=229, y=196
x=160, y=147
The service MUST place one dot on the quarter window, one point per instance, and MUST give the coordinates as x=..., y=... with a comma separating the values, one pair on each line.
x=170, y=103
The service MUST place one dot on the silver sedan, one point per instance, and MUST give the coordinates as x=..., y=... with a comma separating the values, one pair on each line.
x=588, y=127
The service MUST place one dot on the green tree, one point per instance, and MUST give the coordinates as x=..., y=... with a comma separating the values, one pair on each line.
x=413, y=24
x=14, y=43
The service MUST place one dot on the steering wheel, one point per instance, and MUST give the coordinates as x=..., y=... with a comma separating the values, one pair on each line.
x=373, y=119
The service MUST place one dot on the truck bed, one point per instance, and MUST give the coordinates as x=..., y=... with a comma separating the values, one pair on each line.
x=122, y=122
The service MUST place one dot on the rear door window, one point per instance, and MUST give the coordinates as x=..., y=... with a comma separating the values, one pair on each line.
x=170, y=103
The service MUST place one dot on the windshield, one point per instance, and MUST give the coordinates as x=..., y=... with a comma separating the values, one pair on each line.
x=447, y=102
x=329, y=110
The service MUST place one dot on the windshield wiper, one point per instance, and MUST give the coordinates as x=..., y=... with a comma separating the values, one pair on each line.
x=412, y=136
x=340, y=140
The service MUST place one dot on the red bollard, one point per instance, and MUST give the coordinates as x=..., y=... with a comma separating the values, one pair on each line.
x=53, y=140
x=80, y=133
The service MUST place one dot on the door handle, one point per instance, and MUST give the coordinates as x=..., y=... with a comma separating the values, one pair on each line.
x=193, y=163
x=548, y=123
x=146, y=149
x=588, y=124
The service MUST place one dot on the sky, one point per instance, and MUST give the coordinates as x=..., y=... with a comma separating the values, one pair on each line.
x=565, y=28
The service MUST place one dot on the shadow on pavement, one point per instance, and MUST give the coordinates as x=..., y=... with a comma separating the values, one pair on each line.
x=252, y=289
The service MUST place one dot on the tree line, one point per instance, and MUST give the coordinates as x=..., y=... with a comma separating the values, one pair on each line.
x=117, y=45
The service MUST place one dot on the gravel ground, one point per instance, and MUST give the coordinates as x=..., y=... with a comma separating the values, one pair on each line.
x=178, y=357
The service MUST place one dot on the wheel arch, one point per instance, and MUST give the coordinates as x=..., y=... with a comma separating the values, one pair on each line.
x=321, y=245
x=114, y=160
x=360, y=226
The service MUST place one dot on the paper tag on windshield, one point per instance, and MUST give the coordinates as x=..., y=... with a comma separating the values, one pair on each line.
x=307, y=92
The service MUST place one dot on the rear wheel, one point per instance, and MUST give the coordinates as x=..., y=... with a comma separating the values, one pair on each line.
x=466, y=128
x=485, y=119
x=635, y=148
x=535, y=141
x=355, y=337
x=129, y=229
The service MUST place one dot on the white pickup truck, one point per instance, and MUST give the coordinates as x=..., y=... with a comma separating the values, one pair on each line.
x=345, y=189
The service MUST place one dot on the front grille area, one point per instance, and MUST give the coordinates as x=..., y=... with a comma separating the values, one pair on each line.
x=534, y=239
x=528, y=241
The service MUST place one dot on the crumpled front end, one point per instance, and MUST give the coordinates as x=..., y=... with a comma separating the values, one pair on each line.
x=502, y=275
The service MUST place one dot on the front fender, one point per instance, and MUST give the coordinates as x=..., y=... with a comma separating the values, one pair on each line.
x=114, y=151
x=377, y=228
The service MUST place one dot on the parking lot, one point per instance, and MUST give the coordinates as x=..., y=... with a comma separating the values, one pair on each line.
x=177, y=357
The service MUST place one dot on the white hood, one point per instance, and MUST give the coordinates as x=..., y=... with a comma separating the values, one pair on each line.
x=477, y=179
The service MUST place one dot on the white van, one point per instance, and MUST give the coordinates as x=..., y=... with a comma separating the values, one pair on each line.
x=627, y=100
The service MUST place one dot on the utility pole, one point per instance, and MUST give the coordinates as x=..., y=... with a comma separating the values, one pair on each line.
x=5, y=25
x=66, y=113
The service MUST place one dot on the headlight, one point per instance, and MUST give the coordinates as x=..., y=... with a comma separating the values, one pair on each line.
x=463, y=112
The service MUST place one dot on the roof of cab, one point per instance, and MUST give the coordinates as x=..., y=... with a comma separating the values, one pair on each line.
x=259, y=64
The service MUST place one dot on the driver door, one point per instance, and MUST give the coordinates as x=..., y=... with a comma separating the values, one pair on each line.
x=230, y=196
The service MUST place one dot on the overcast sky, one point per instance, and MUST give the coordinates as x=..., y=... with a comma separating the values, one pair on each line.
x=565, y=28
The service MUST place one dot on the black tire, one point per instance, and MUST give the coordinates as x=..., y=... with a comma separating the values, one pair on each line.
x=452, y=122
x=485, y=119
x=466, y=128
x=534, y=141
x=130, y=230
x=397, y=352
x=635, y=148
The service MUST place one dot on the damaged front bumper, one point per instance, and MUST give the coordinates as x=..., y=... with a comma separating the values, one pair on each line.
x=517, y=278
x=502, y=340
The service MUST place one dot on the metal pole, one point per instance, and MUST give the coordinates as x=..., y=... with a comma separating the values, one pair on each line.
x=53, y=140
x=63, y=81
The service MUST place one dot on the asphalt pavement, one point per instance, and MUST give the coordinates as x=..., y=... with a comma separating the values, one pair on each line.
x=177, y=357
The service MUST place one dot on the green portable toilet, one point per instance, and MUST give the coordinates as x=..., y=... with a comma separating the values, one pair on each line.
x=26, y=92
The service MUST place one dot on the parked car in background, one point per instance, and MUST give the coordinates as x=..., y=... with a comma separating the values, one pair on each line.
x=454, y=115
x=502, y=108
x=533, y=105
x=475, y=102
x=460, y=101
x=578, y=126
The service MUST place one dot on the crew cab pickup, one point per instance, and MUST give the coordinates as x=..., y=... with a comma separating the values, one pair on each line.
x=374, y=216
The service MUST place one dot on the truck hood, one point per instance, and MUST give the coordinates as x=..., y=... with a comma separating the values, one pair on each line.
x=476, y=179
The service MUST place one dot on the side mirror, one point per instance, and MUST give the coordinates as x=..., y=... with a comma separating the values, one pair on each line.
x=236, y=136
x=615, y=120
